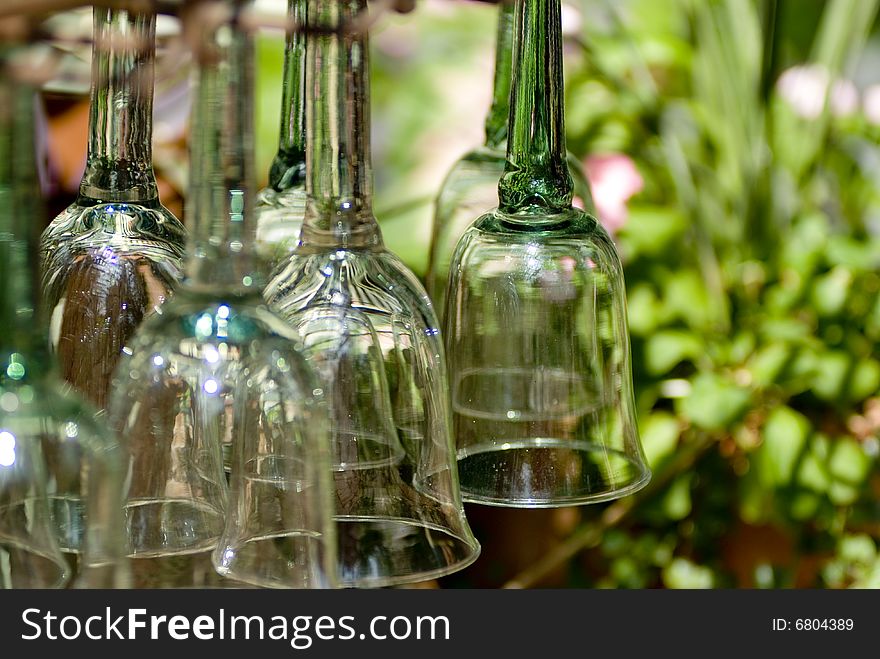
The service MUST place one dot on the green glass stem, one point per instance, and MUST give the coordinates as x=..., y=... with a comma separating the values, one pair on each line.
x=536, y=180
x=289, y=165
x=339, y=181
x=496, y=120
x=220, y=199
x=471, y=186
x=119, y=163
x=280, y=207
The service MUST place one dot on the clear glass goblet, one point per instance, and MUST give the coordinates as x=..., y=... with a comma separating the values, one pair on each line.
x=536, y=324
x=370, y=332
x=114, y=255
x=539, y=358
x=202, y=370
x=214, y=367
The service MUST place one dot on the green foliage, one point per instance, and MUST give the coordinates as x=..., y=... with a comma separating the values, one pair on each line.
x=752, y=271
x=752, y=259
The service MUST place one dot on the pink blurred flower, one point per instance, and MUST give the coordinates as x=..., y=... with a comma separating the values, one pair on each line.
x=871, y=104
x=572, y=21
x=804, y=89
x=613, y=179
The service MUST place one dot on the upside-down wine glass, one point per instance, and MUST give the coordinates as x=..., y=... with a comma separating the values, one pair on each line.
x=536, y=316
x=215, y=363
x=114, y=255
x=60, y=470
x=471, y=186
x=280, y=208
x=372, y=334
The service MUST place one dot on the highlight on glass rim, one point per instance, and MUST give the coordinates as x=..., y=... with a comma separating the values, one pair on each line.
x=441, y=294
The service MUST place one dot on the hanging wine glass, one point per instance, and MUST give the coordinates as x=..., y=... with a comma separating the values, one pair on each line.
x=371, y=333
x=60, y=471
x=215, y=363
x=471, y=186
x=113, y=256
x=280, y=208
x=536, y=319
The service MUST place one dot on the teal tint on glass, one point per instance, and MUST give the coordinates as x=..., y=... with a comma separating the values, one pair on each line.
x=214, y=369
x=371, y=334
x=113, y=256
x=471, y=186
x=536, y=317
x=60, y=470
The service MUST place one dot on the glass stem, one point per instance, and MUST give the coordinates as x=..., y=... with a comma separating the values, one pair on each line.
x=289, y=165
x=338, y=184
x=496, y=120
x=536, y=179
x=119, y=164
x=20, y=224
x=220, y=198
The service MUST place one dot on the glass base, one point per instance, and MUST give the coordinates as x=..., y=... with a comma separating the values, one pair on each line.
x=280, y=560
x=169, y=527
x=360, y=451
x=546, y=473
x=26, y=566
x=377, y=552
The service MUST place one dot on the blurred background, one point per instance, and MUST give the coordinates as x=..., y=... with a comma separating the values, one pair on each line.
x=733, y=148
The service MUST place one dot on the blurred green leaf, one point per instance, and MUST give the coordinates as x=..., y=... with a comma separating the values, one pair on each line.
x=682, y=573
x=767, y=364
x=677, y=500
x=650, y=230
x=659, y=434
x=714, y=402
x=785, y=329
x=848, y=462
x=865, y=379
x=805, y=244
x=742, y=345
x=832, y=370
x=686, y=297
x=813, y=473
x=848, y=252
x=643, y=309
x=666, y=348
x=755, y=499
x=858, y=548
x=805, y=505
x=784, y=439
x=870, y=578
x=842, y=494
x=830, y=291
